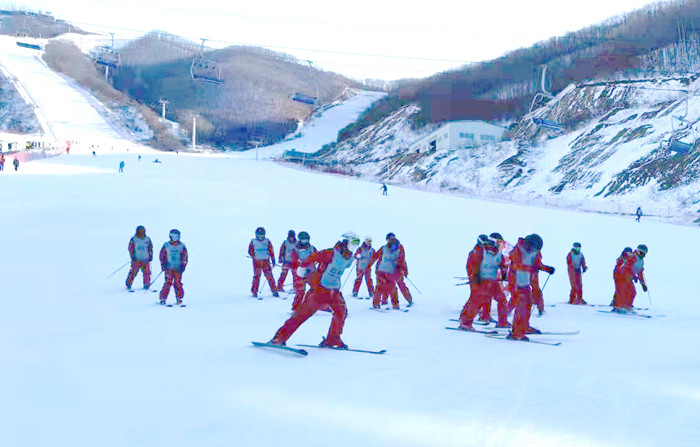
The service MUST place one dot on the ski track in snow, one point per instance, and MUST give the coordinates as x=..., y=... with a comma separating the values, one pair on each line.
x=84, y=363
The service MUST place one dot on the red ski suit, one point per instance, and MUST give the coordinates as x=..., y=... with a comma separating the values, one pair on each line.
x=320, y=296
x=285, y=258
x=484, y=286
x=522, y=283
x=302, y=275
x=391, y=265
x=627, y=271
x=576, y=267
x=140, y=260
x=173, y=268
x=363, y=256
x=261, y=263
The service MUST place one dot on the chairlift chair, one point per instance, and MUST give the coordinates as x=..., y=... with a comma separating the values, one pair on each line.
x=206, y=70
x=108, y=56
x=308, y=99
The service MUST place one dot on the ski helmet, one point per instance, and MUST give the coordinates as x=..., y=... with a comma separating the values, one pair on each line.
x=352, y=238
x=174, y=235
x=368, y=239
x=535, y=240
x=291, y=234
x=496, y=237
x=141, y=228
x=304, y=237
x=390, y=235
x=260, y=231
x=484, y=240
x=642, y=249
x=577, y=246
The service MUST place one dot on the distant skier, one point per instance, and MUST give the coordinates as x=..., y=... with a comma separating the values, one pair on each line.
x=363, y=257
x=15, y=163
x=325, y=291
x=94, y=154
x=391, y=263
x=261, y=251
x=141, y=253
x=121, y=166
x=285, y=258
x=300, y=254
x=525, y=262
x=2, y=162
x=139, y=159
x=639, y=213
x=576, y=266
x=485, y=268
x=384, y=189
x=173, y=261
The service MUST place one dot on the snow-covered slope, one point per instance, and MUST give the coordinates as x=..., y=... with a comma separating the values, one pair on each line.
x=611, y=157
x=65, y=111
x=84, y=363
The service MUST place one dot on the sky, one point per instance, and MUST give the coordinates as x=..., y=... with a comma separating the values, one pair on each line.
x=361, y=39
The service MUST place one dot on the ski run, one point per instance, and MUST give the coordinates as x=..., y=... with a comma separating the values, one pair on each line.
x=84, y=363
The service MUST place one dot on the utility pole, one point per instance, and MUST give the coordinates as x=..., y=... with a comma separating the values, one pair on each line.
x=194, y=132
x=163, y=102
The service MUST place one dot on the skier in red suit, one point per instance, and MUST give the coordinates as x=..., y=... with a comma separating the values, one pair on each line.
x=325, y=291
x=301, y=253
x=485, y=268
x=141, y=253
x=525, y=262
x=628, y=270
x=576, y=266
x=260, y=250
x=363, y=256
x=391, y=264
x=285, y=258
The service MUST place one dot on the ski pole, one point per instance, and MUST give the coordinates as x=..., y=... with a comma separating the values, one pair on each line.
x=414, y=286
x=118, y=269
x=545, y=282
x=349, y=274
x=154, y=280
x=649, y=295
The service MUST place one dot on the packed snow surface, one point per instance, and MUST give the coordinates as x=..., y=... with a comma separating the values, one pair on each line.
x=85, y=363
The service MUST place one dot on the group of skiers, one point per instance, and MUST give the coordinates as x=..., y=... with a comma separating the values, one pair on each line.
x=322, y=272
x=173, y=261
x=496, y=269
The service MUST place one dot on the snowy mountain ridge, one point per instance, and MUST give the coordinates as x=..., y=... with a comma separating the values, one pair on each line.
x=613, y=148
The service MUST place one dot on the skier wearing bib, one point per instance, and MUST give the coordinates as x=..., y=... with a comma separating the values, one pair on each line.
x=628, y=271
x=400, y=284
x=525, y=262
x=260, y=250
x=302, y=251
x=485, y=268
x=285, y=258
x=576, y=265
x=141, y=253
x=325, y=291
x=391, y=263
x=173, y=261
x=505, y=248
x=363, y=256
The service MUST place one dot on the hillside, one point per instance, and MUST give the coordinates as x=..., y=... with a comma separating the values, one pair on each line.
x=253, y=103
x=612, y=155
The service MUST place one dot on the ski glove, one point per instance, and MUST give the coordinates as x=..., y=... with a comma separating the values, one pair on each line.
x=644, y=287
x=549, y=269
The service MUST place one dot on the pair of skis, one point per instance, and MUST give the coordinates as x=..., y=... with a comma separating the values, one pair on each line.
x=504, y=336
x=304, y=352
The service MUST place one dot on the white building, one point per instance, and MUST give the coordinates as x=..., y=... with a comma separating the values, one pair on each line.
x=459, y=135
